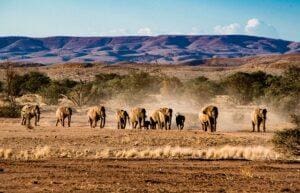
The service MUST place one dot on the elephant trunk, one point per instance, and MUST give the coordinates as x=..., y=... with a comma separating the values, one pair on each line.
x=102, y=123
x=215, y=124
x=69, y=120
x=38, y=117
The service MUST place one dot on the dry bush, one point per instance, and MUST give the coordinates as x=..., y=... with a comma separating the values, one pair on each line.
x=288, y=141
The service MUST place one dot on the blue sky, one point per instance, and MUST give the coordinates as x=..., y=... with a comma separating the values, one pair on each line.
x=40, y=18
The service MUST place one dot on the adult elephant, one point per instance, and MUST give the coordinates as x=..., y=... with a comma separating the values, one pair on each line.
x=28, y=112
x=259, y=115
x=212, y=113
x=162, y=118
x=122, y=117
x=138, y=116
x=168, y=112
x=62, y=113
x=95, y=114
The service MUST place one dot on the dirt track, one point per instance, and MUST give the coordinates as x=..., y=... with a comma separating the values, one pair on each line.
x=148, y=176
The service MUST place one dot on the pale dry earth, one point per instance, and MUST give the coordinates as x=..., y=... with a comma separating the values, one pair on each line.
x=64, y=173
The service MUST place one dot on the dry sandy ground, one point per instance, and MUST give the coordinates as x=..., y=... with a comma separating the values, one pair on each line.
x=65, y=175
x=70, y=162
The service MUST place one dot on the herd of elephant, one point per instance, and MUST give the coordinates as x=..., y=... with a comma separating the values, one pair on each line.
x=159, y=119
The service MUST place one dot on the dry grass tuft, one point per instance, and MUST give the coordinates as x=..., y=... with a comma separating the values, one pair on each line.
x=167, y=152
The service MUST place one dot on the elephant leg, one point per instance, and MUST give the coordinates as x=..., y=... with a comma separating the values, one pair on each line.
x=102, y=123
x=258, y=126
x=134, y=124
x=57, y=121
x=91, y=122
x=23, y=122
x=253, y=126
x=119, y=125
x=28, y=122
x=35, y=120
x=63, y=122
x=215, y=126
x=69, y=121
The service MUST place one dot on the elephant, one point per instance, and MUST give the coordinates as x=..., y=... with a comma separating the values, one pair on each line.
x=204, y=120
x=138, y=116
x=95, y=114
x=259, y=115
x=28, y=112
x=147, y=124
x=62, y=113
x=168, y=117
x=122, y=117
x=161, y=117
x=180, y=119
x=212, y=113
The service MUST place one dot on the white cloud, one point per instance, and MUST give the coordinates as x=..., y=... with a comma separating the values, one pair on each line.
x=146, y=31
x=255, y=26
x=195, y=31
x=118, y=32
x=233, y=28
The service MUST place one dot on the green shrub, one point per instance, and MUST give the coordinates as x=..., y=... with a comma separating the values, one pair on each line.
x=132, y=88
x=34, y=81
x=55, y=89
x=171, y=86
x=11, y=111
x=201, y=89
x=247, y=87
x=284, y=91
x=288, y=141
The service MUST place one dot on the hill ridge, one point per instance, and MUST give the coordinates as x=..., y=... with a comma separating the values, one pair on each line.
x=139, y=49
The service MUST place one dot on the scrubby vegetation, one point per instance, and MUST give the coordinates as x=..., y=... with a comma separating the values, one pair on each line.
x=288, y=141
x=282, y=92
x=10, y=111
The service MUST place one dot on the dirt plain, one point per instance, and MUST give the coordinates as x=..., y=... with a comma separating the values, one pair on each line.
x=71, y=163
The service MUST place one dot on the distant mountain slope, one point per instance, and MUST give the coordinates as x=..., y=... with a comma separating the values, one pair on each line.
x=140, y=49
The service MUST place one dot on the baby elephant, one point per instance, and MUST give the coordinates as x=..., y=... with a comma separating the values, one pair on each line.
x=180, y=119
x=148, y=125
x=28, y=112
x=61, y=114
x=204, y=120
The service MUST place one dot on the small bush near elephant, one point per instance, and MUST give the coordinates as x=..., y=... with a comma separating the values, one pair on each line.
x=288, y=141
x=12, y=111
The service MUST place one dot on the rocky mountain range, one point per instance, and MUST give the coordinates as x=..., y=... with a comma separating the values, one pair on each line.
x=165, y=49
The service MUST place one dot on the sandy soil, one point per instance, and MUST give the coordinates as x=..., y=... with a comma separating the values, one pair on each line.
x=59, y=172
x=148, y=176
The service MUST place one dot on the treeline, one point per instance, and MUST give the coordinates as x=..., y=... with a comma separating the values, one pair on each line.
x=244, y=88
